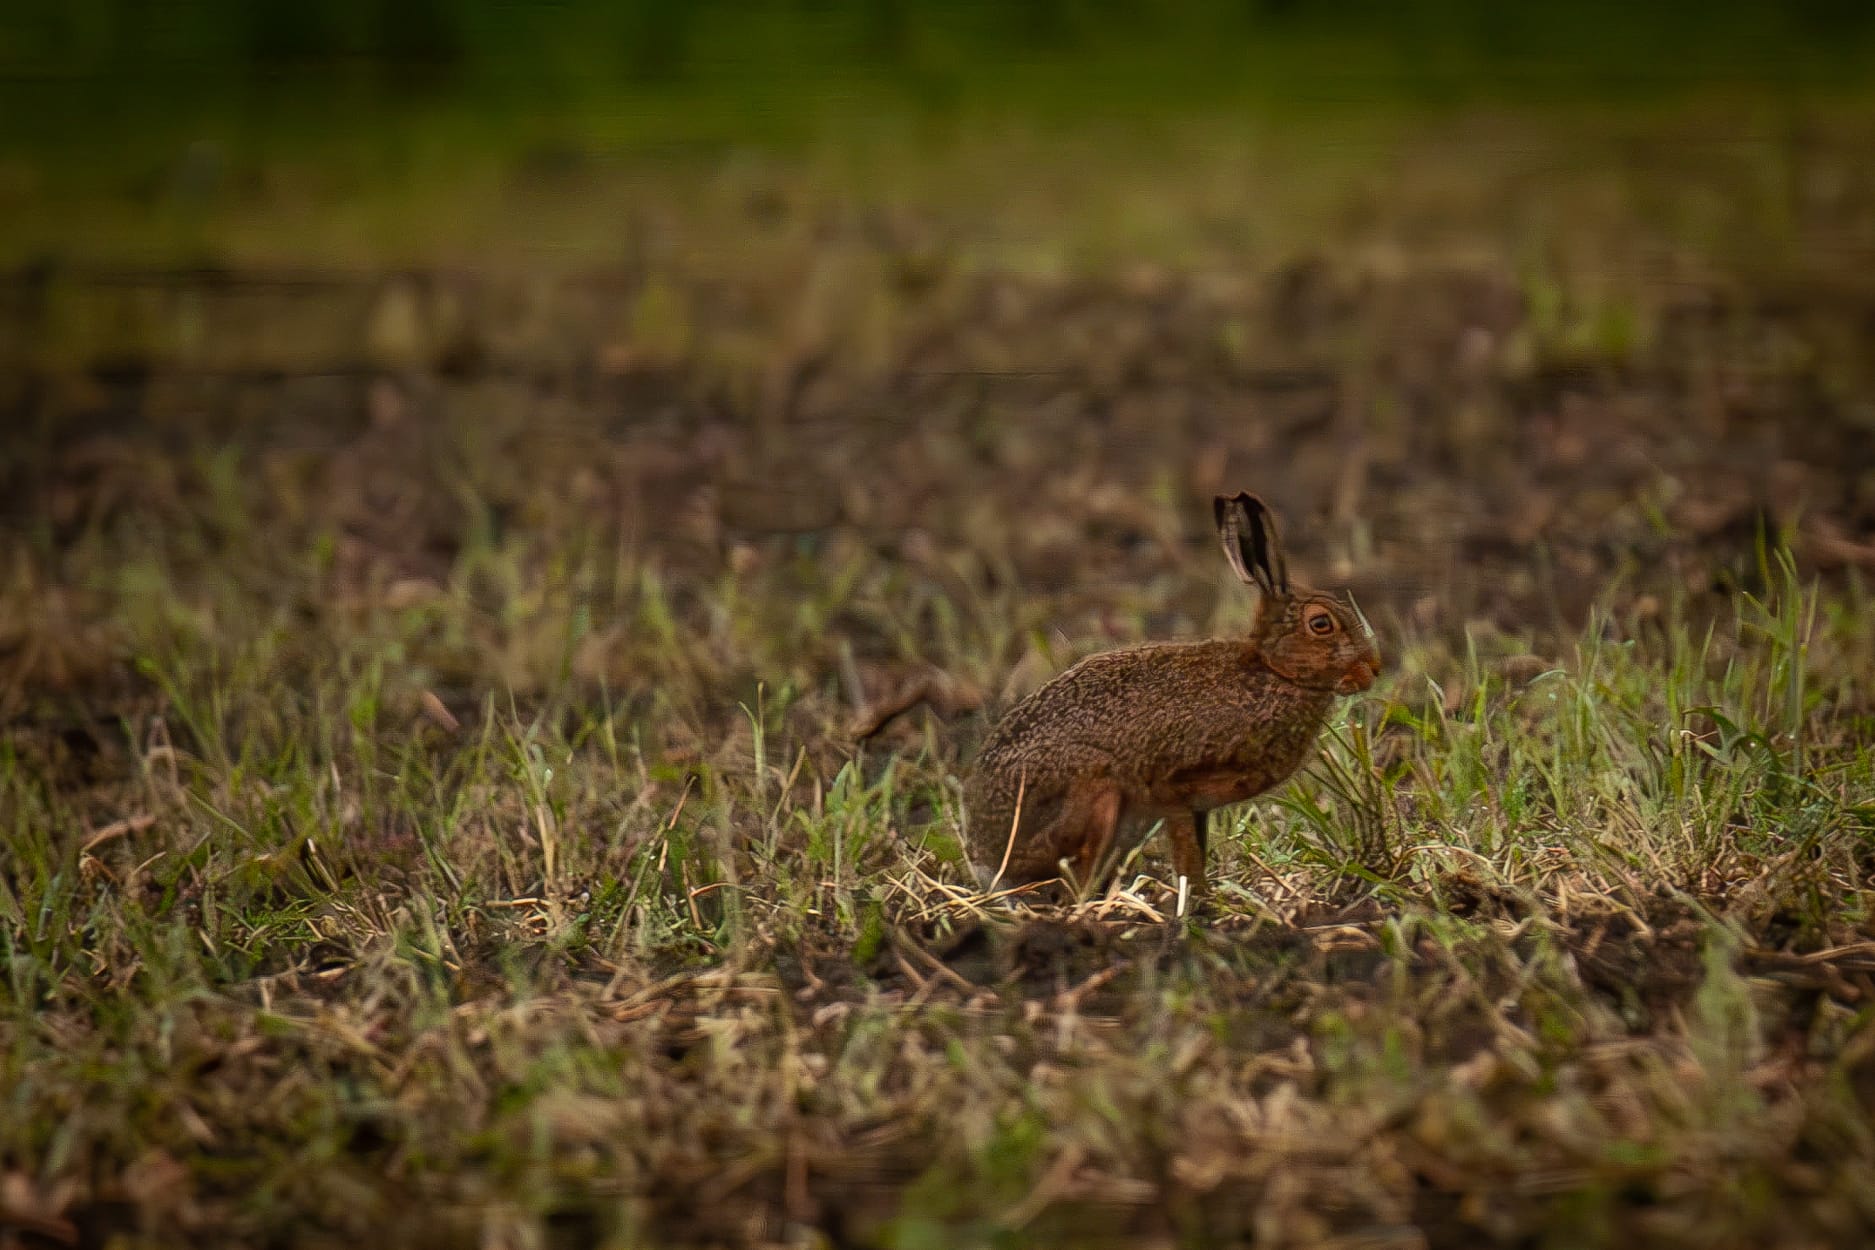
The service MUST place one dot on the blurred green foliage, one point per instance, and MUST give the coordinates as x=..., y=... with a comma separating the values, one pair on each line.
x=156, y=50
x=165, y=108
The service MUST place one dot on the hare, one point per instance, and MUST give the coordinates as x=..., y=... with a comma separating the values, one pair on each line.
x=1076, y=774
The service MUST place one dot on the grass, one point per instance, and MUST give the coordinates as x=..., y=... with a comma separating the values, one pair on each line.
x=622, y=964
x=429, y=809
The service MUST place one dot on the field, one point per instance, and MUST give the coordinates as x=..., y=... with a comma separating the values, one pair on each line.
x=435, y=611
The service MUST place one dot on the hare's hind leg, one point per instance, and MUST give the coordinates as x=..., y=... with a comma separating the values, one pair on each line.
x=1079, y=825
x=1190, y=834
x=1084, y=834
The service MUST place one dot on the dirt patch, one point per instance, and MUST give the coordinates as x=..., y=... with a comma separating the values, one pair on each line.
x=1004, y=449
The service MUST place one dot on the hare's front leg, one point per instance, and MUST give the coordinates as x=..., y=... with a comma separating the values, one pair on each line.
x=1190, y=833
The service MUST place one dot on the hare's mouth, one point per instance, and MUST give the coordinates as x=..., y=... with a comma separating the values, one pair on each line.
x=1358, y=678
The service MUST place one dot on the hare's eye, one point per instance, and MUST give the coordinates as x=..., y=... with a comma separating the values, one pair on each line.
x=1321, y=624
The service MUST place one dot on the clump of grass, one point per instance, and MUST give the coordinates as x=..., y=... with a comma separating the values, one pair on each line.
x=1669, y=753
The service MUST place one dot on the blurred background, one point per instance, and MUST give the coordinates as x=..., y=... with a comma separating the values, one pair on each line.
x=1495, y=304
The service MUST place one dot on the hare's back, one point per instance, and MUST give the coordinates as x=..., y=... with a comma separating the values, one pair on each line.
x=1108, y=697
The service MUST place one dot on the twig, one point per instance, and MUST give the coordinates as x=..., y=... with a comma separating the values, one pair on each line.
x=117, y=829
x=434, y=709
x=943, y=969
x=945, y=697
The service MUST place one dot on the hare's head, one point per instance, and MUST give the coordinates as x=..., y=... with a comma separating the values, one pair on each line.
x=1313, y=638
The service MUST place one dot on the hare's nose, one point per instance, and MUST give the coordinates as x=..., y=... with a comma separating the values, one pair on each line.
x=1360, y=676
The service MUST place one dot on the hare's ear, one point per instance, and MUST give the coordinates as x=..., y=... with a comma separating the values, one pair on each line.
x=1247, y=529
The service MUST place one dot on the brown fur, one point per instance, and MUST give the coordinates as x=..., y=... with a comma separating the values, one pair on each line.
x=1080, y=770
